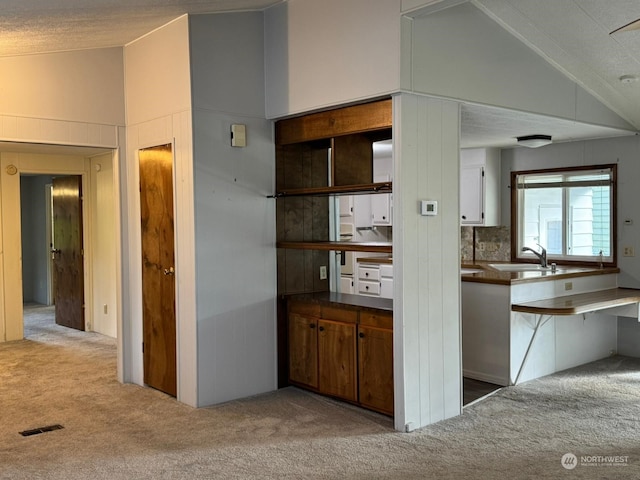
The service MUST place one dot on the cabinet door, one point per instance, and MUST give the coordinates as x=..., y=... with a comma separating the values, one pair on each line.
x=337, y=359
x=375, y=368
x=346, y=284
x=303, y=350
x=346, y=206
x=381, y=205
x=471, y=195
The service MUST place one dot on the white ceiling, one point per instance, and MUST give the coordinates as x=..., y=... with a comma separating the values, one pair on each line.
x=571, y=34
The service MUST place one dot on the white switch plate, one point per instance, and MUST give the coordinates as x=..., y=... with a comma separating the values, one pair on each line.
x=238, y=135
x=323, y=272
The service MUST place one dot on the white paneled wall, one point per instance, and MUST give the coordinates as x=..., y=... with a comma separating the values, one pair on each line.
x=158, y=112
x=332, y=52
x=427, y=339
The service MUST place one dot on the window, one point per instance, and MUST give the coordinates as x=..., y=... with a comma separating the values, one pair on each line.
x=570, y=212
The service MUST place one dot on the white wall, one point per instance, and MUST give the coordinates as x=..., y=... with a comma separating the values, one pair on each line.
x=104, y=241
x=331, y=52
x=235, y=221
x=461, y=53
x=158, y=96
x=79, y=86
x=426, y=251
x=623, y=151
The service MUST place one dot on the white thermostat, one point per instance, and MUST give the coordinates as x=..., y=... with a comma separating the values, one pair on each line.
x=428, y=207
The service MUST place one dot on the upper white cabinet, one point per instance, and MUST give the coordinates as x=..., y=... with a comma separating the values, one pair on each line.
x=480, y=187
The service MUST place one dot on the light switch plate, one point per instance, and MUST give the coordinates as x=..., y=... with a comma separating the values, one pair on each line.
x=238, y=135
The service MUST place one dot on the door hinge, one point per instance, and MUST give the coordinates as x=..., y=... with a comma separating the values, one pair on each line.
x=142, y=347
x=483, y=172
x=483, y=215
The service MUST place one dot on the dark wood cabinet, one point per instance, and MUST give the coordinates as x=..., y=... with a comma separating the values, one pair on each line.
x=375, y=368
x=342, y=351
x=337, y=359
x=303, y=350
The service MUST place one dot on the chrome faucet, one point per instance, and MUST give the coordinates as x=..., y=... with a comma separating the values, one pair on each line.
x=542, y=256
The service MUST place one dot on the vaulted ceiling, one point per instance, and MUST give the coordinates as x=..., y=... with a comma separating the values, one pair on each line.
x=573, y=35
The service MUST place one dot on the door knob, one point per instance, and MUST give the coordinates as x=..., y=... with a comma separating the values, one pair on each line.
x=169, y=271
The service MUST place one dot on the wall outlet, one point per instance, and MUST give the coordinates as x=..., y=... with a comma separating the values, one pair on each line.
x=481, y=246
x=568, y=285
x=323, y=272
x=628, y=251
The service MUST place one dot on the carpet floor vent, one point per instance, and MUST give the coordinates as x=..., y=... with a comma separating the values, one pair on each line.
x=39, y=430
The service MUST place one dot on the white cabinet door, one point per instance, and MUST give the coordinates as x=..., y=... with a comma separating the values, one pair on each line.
x=386, y=287
x=381, y=207
x=346, y=206
x=346, y=284
x=480, y=187
x=471, y=195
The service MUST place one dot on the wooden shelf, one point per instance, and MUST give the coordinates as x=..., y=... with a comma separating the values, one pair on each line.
x=381, y=187
x=377, y=247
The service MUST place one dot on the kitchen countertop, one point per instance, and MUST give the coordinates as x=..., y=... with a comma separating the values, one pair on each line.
x=491, y=275
x=361, y=301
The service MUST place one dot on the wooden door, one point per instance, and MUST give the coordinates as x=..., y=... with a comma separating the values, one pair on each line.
x=337, y=359
x=67, y=251
x=375, y=368
x=158, y=286
x=303, y=350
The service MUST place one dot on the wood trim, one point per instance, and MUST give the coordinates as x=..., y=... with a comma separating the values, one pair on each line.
x=380, y=187
x=379, y=247
x=580, y=303
x=355, y=119
x=614, y=213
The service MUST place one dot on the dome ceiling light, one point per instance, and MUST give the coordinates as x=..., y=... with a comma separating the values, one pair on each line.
x=534, y=141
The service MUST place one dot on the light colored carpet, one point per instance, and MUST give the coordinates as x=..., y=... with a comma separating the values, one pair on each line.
x=115, y=431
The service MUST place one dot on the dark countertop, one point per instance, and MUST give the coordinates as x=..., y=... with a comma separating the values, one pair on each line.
x=491, y=275
x=361, y=301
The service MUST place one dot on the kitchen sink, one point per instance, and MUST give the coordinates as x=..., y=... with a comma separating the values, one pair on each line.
x=519, y=267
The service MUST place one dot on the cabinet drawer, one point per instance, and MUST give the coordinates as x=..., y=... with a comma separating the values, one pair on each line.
x=339, y=314
x=304, y=308
x=369, y=273
x=376, y=319
x=386, y=271
x=369, y=288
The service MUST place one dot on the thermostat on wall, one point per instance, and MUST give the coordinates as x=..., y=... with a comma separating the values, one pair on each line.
x=428, y=207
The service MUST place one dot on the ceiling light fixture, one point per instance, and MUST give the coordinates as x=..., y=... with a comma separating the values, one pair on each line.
x=629, y=78
x=534, y=141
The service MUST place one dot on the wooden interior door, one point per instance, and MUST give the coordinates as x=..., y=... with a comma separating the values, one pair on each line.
x=158, y=284
x=67, y=251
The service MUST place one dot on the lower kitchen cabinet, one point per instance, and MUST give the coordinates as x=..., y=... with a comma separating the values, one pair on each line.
x=337, y=359
x=303, y=350
x=375, y=368
x=344, y=352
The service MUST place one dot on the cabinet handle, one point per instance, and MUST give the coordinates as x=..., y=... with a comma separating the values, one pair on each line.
x=366, y=274
x=384, y=218
x=312, y=325
x=464, y=217
x=321, y=329
x=361, y=335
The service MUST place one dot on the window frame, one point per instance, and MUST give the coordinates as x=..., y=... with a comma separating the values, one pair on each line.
x=518, y=256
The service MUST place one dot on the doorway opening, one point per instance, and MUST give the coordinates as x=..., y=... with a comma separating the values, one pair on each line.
x=53, y=247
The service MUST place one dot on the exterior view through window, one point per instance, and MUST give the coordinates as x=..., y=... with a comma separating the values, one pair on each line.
x=569, y=212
